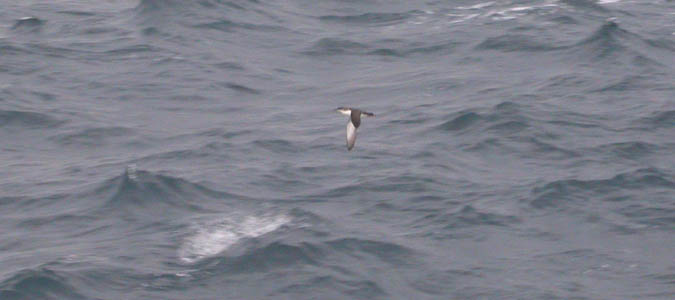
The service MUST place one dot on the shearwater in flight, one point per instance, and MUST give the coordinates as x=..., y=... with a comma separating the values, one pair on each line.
x=353, y=123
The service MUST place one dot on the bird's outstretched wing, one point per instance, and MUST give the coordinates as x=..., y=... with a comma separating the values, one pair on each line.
x=351, y=135
x=344, y=110
x=368, y=114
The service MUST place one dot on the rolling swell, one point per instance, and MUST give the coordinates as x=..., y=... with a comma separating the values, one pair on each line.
x=373, y=19
x=148, y=194
x=562, y=193
x=41, y=283
x=28, y=120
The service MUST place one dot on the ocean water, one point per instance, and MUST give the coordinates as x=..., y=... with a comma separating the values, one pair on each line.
x=166, y=149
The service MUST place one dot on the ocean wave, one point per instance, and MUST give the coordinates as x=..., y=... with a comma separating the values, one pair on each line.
x=505, y=116
x=148, y=193
x=334, y=288
x=588, y=5
x=606, y=39
x=462, y=121
x=335, y=46
x=28, y=25
x=661, y=119
x=242, y=88
x=230, y=26
x=467, y=216
x=41, y=283
x=159, y=6
x=514, y=42
x=385, y=48
x=61, y=221
x=379, y=19
x=28, y=120
x=650, y=217
x=212, y=237
x=387, y=252
x=95, y=136
x=626, y=150
x=563, y=193
x=272, y=256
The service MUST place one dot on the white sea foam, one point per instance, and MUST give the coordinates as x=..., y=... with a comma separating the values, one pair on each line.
x=215, y=237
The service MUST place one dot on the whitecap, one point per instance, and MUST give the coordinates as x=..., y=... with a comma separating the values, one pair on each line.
x=211, y=238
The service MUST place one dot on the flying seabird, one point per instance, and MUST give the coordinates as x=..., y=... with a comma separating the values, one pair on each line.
x=353, y=123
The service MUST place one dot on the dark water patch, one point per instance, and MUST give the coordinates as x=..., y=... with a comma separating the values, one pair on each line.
x=627, y=83
x=566, y=20
x=229, y=66
x=504, y=117
x=133, y=49
x=277, y=146
x=353, y=289
x=224, y=133
x=402, y=183
x=610, y=41
x=627, y=150
x=208, y=151
x=668, y=278
x=386, y=52
x=270, y=257
x=441, y=283
x=77, y=13
x=410, y=121
x=661, y=119
x=149, y=7
x=95, y=136
x=509, y=127
x=653, y=217
x=152, y=31
x=443, y=48
x=586, y=259
x=463, y=121
x=242, y=88
x=665, y=44
x=566, y=82
x=542, y=148
x=10, y=201
x=63, y=222
x=466, y=217
x=28, y=25
x=27, y=120
x=379, y=19
x=514, y=43
x=42, y=283
x=8, y=48
x=585, y=5
x=401, y=48
x=562, y=193
x=507, y=107
x=99, y=30
x=230, y=26
x=141, y=194
x=335, y=46
x=384, y=251
x=394, y=184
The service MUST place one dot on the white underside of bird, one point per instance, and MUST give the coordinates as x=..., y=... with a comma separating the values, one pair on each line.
x=351, y=135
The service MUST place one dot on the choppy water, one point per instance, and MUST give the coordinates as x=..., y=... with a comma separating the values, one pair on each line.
x=161, y=149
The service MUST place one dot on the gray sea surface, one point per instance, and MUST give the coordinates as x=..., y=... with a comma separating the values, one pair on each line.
x=166, y=149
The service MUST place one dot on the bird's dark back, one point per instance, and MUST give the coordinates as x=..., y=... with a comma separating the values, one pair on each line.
x=356, y=117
